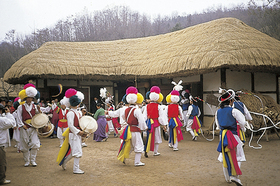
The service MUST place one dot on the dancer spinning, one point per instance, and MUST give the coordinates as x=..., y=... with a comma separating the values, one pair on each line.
x=155, y=116
x=131, y=136
x=174, y=111
x=194, y=124
x=230, y=146
x=185, y=102
x=75, y=133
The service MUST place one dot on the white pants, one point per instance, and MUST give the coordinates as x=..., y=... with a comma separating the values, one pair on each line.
x=137, y=145
x=76, y=165
x=110, y=126
x=30, y=155
x=158, y=135
x=185, y=117
x=75, y=142
x=29, y=139
x=136, y=142
x=189, y=127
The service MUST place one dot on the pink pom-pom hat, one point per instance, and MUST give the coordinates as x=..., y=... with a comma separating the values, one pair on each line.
x=131, y=90
x=28, y=85
x=175, y=93
x=155, y=89
x=16, y=99
x=70, y=92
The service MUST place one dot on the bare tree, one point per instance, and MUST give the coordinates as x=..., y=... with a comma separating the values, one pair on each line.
x=7, y=88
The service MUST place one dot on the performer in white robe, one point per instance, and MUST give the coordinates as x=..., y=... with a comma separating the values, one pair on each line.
x=155, y=116
x=75, y=135
x=226, y=118
x=136, y=123
x=29, y=140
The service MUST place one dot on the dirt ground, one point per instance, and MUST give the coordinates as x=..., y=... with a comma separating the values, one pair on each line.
x=194, y=164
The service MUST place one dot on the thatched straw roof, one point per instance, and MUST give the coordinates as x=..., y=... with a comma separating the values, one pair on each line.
x=199, y=49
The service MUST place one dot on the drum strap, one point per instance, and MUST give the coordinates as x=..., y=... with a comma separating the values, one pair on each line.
x=129, y=114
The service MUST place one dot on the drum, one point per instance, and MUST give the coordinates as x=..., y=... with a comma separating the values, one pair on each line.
x=39, y=120
x=88, y=124
x=144, y=137
x=46, y=130
x=165, y=135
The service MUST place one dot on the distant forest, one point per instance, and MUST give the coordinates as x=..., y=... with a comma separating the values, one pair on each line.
x=121, y=22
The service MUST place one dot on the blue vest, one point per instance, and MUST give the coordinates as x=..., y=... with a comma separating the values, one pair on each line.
x=185, y=106
x=194, y=111
x=226, y=120
x=239, y=105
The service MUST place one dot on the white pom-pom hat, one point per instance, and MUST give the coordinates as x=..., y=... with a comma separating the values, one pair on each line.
x=154, y=93
x=131, y=95
x=175, y=96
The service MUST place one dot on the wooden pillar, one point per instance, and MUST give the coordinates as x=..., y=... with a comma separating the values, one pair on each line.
x=252, y=82
x=223, y=78
x=201, y=91
x=277, y=89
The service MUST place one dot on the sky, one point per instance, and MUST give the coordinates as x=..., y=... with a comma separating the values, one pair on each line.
x=25, y=16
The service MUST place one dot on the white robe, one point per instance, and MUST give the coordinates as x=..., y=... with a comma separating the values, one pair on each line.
x=6, y=122
x=136, y=139
x=162, y=119
x=75, y=140
x=28, y=138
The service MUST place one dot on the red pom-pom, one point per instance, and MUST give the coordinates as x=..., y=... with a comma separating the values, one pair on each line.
x=155, y=89
x=131, y=90
x=70, y=92
x=16, y=99
x=175, y=93
x=28, y=85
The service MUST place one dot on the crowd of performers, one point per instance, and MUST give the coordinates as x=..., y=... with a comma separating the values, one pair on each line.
x=138, y=123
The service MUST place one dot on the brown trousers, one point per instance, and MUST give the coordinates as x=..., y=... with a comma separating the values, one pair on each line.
x=3, y=164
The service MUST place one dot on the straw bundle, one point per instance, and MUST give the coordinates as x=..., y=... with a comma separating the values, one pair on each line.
x=203, y=48
x=268, y=107
x=212, y=100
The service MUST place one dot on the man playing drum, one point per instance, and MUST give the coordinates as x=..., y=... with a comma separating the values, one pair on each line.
x=75, y=133
x=29, y=140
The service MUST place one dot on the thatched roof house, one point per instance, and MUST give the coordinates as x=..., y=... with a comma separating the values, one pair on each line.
x=199, y=49
x=208, y=51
